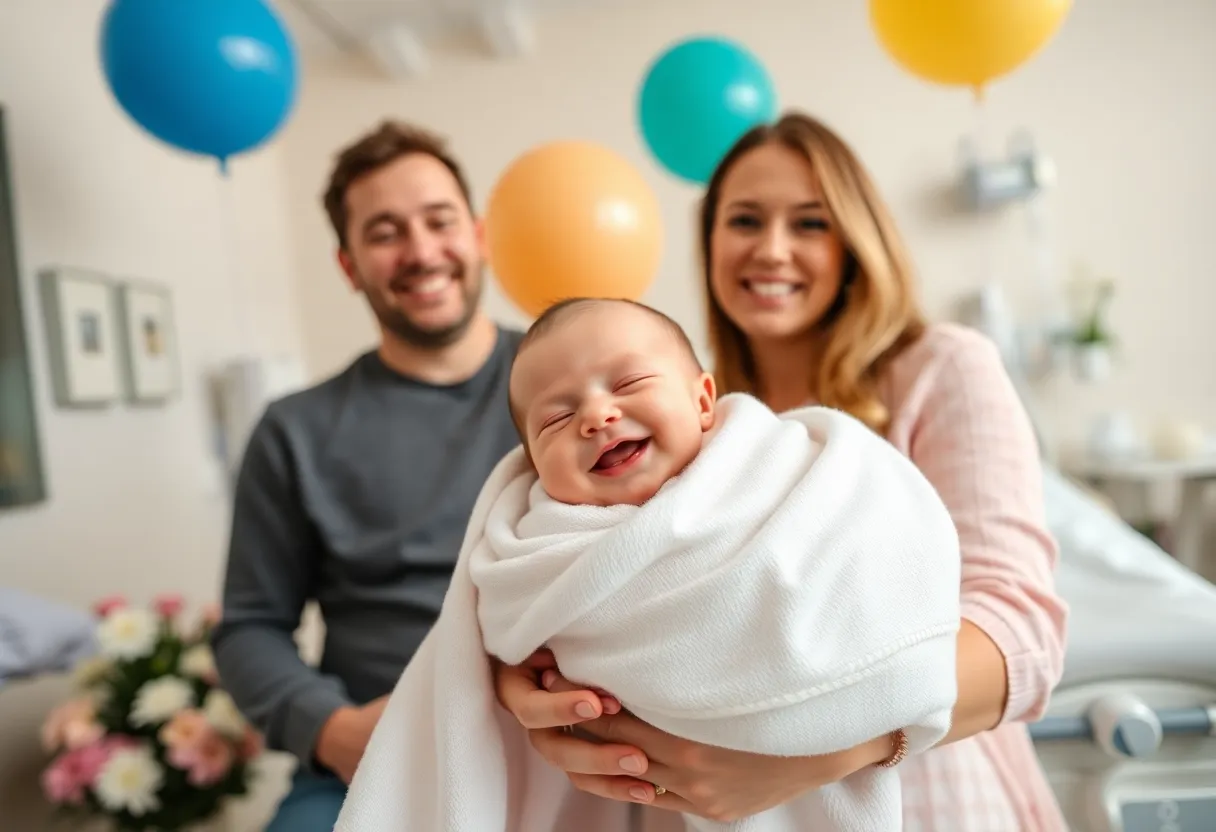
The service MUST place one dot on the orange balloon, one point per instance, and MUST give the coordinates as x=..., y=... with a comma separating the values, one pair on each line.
x=572, y=219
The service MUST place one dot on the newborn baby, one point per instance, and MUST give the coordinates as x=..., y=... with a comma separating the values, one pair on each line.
x=610, y=401
x=782, y=585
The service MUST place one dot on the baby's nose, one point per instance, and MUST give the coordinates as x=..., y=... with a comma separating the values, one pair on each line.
x=598, y=418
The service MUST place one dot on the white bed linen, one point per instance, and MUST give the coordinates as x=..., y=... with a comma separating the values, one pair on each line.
x=1135, y=611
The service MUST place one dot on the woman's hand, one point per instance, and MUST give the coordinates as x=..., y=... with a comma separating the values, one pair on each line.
x=627, y=758
x=547, y=716
x=520, y=692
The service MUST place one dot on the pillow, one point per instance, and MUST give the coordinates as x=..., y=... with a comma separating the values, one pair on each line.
x=38, y=636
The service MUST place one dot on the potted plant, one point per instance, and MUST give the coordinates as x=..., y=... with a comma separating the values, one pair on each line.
x=151, y=742
x=1091, y=340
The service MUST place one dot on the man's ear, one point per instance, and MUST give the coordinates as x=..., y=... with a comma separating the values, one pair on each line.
x=707, y=400
x=347, y=264
x=479, y=231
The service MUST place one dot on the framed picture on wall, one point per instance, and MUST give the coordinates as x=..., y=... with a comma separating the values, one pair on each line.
x=22, y=478
x=78, y=306
x=145, y=322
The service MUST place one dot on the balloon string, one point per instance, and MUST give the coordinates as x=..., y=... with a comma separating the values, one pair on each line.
x=977, y=126
x=231, y=245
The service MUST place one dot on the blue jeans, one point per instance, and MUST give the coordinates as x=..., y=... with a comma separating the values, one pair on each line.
x=311, y=805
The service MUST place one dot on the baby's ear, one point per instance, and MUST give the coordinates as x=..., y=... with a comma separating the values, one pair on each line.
x=707, y=400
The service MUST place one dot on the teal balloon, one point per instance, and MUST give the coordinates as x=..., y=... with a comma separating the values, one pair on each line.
x=697, y=99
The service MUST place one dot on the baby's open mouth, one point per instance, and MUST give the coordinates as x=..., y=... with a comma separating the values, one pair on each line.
x=620, y=453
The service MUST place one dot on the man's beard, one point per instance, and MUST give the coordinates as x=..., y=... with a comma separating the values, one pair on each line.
x=430, y=338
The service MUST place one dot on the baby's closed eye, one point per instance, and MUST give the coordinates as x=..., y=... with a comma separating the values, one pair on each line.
x=631, y=381
x=554, y=421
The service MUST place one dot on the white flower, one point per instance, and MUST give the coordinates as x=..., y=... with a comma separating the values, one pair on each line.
x=223, y=715
x=198, y=662
x=91, y=670
x=128, y=633
x=160, y=699
x=129, y=781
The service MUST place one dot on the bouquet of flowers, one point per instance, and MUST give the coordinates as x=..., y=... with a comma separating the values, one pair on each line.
x=151, y=742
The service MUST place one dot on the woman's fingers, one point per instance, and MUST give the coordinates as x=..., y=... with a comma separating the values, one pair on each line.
x=674, y=803
x=535, y=707
x=610, y=770
x=630, y=790
x=624, y=789
x=553, y=681
x=541, y=660
x=576, y=755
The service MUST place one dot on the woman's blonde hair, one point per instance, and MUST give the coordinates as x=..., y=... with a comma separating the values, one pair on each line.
x=877, y=313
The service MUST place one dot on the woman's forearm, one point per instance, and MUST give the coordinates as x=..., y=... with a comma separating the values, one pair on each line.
x=983, y=684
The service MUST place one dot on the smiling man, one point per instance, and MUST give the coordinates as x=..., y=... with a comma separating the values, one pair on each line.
x=408, y=241
x=356, y=492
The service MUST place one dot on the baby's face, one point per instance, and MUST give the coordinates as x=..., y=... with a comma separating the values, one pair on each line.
x=611, y=406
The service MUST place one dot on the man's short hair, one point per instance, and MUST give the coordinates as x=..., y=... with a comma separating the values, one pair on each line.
x=382, y=146
x=560, y=311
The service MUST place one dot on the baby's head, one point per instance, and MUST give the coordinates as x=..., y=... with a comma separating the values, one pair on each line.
x=610, y=401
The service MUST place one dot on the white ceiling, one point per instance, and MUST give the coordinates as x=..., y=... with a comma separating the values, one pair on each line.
x=398, y=34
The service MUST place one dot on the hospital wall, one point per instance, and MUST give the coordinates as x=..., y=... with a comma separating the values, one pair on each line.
x=136, y=503
x=1118, y=101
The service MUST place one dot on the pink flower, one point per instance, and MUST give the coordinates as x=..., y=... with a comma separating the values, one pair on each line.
x=61, y=781
x=212, y=761
x=194, y=746
x=79, y=733
x=184, y=734
x=251, y=744
x=72, y=725
x=71, y=773
x=168, y=605
x=108, y=604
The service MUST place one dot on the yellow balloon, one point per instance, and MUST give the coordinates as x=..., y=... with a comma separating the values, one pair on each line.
x=572, y=219
x=965, y=42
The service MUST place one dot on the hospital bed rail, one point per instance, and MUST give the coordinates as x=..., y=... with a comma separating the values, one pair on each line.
x=1124, y=726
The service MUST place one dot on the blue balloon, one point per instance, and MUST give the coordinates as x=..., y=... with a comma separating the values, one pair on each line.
x=697, y=99
x=212, y=77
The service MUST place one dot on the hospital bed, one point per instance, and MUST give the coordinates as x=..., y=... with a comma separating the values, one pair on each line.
x=1129, y=741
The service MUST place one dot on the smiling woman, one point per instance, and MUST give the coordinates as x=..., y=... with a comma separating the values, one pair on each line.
x=21, y=476
x=789, y=224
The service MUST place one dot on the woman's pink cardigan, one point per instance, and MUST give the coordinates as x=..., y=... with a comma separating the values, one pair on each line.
x=957, y=416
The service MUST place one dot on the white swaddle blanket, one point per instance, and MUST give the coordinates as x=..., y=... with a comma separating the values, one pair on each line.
x=795, y=591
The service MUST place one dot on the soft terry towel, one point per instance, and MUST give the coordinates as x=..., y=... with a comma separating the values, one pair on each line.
x=794, y=592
